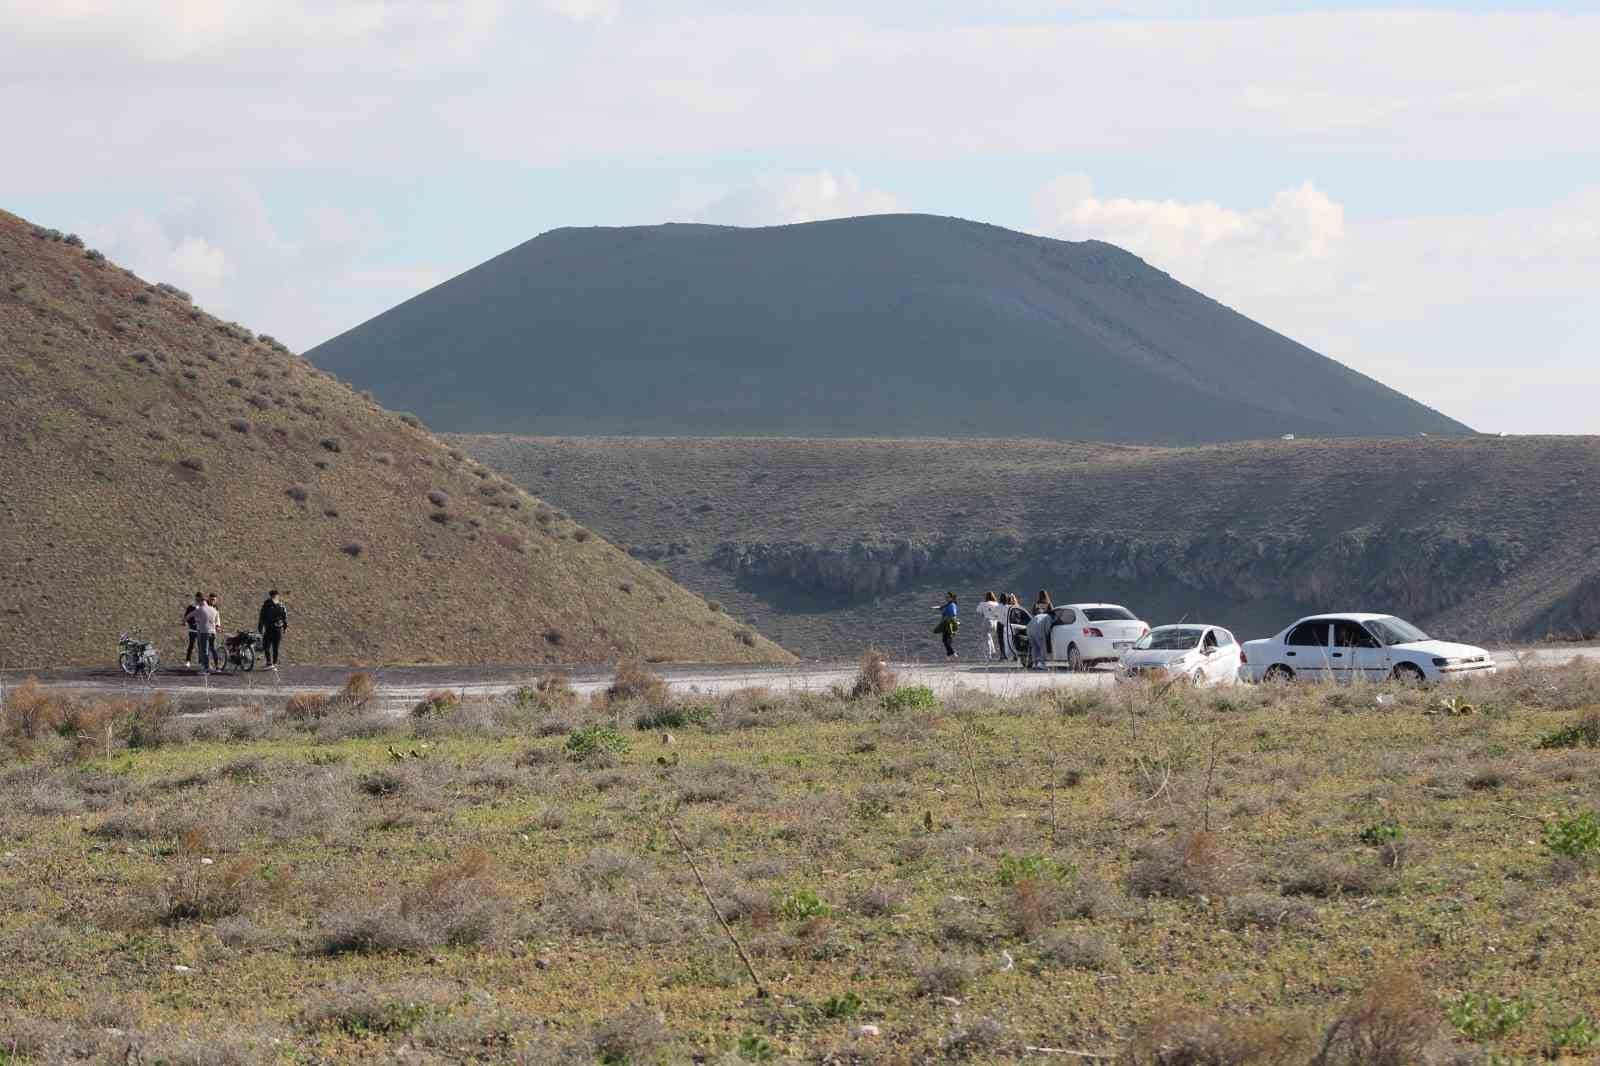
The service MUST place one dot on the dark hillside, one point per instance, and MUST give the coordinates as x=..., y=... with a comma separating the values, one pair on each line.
x=148, y=450
x=829, y=543
x=883, y=326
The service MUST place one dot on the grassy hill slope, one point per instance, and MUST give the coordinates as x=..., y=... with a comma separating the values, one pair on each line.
x=150, y=450
x=827, y=544
x=892, y=325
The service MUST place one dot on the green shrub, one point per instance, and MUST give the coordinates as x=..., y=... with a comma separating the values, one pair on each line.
x=1585, y=732
x=846, y=1006
x=1484, y=1016
x=801, y=904
x=1015, y=868
x=1574, y=837
x=1380, y=833
x=1578, y=1034
x=753, y=1047
x=673, y=716
x=593, y=741
x=909, y=698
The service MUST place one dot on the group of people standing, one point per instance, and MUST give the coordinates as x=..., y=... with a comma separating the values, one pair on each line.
x=999, y=636
x=203, y=621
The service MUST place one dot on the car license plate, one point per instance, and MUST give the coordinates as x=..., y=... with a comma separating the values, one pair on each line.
x=1122, y=643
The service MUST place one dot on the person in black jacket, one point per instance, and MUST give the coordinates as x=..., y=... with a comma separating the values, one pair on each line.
x=270, y=623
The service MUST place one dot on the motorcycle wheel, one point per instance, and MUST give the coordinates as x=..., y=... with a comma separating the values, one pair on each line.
x=148, y=666
x=129, y=661
x=247, y=657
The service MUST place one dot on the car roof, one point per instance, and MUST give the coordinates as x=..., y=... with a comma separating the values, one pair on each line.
x=1079, y=606
x=1191, y=625
x=1349, y=616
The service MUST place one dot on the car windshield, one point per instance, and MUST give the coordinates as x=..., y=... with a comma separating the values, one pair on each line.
x=1107, y=614
x=1392, y=630
x=1175, y=638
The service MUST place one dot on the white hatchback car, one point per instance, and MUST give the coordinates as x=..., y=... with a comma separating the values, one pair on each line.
x=1205, y=655
x=1085, y=634
x=1348, y=647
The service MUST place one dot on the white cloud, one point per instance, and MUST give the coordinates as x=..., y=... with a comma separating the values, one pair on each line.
x=1446, y=308
x=192, y=88
x=584, y=10
x=226, y=250
x=782, y=199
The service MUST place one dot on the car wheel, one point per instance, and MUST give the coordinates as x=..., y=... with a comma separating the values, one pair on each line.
x=1278, y=674
x=1409, y=674
x=1074, y=659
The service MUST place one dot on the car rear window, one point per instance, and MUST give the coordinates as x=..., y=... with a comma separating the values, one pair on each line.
x=1107, y=614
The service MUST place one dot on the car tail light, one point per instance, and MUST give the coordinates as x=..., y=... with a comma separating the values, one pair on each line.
x=1092, y=631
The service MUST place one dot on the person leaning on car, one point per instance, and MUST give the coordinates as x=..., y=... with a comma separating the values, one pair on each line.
x=270, y=623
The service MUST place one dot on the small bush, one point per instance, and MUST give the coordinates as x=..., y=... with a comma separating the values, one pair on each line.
x=331, y=444
x=410, y=419
x=436, y=704
x=359, y=690
x=192, y=463
x=442, y=518
x=205, y=892
x=1182, y=867
x=1327, y=878
x=909, y=698
x=634, y=681
x=554, y=637
x=878, y=901
x=1576, y=836
x=1390, y=1024
x=638, y=1036
x=1017, y=868
x=239, y=425
x=873, y=676
x=360, y=1011
x=846, y=1006
x=457, y=905
x=31, y=710
x=594, y=742
x=580, y=535
x=1481, y=1016
x=352, y=548
x=552, y=691
x=673, y=716
x=1584, y=732
x=802, y=904
x=1080, y=950
x=297, y=493
x=945, y=976
x=1263, y=911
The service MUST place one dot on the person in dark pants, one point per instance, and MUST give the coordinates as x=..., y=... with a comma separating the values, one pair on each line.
x=948, y=624
x=270, y=623
x=193, y=627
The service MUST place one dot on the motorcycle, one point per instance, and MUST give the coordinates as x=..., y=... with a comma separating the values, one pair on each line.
x=138, y=658
x=239, y=651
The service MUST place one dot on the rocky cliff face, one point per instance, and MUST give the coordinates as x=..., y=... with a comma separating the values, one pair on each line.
x=1420, y=573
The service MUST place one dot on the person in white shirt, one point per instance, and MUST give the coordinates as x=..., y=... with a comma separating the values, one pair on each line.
x=208, y=621
x=993, y=613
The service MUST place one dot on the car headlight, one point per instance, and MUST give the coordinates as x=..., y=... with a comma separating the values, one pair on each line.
x=1438, y=661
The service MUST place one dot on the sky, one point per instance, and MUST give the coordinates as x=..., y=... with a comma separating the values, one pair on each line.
x=1412, y=189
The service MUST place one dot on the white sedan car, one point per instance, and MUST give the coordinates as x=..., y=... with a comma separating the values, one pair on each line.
x=1205, y=655
x=1085, y=634
x=1349, y=647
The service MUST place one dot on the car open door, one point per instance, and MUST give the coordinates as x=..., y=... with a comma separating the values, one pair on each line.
x=1305, y=649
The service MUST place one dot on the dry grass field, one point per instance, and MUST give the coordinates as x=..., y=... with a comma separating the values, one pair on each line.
x=1367, y=876
x=150, y=450
x=826, y=544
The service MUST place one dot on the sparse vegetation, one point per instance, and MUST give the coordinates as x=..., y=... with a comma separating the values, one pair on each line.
x=843, y=846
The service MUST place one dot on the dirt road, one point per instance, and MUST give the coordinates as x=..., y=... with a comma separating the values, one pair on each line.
x=404, y=685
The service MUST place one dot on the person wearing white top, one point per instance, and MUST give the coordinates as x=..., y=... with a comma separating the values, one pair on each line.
x=993, y=614
x=207, y=620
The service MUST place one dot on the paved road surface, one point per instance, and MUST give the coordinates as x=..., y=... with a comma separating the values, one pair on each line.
x=404, y=685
